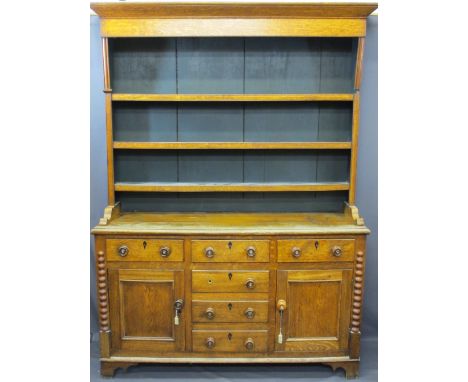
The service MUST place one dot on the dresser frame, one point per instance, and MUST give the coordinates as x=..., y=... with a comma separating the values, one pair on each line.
x=341, y=277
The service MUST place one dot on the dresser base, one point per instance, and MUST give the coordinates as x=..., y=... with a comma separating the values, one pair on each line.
x=110, y=365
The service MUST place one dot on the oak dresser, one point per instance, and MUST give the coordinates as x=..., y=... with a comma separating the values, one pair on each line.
x=231, y=233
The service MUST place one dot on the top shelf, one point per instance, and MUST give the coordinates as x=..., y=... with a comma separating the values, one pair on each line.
x=231, y=97
x=183, y=10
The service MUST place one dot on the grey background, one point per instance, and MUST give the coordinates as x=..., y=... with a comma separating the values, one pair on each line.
x=366, y=201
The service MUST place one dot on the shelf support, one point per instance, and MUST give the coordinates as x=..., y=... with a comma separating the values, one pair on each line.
x=110, y=213
x=353, y=212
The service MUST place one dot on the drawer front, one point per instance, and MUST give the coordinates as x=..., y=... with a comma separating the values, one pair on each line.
x=222, y=251
x=230, y=281
x=235, y=341
x=315, y=250
x=144, y=250
x=230, y=311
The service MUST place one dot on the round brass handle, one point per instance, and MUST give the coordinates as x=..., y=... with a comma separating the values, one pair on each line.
x=249, y=313
x=249, y=344
x=337, y=251
x=210, y=342
x=296, y=252
x=210, y=313
x=209, y=252
x=123, y=251
x=250, y=284
x=251, y=251
x=164, y=251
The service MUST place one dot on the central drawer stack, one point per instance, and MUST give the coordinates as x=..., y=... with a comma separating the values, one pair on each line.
x=230, y=309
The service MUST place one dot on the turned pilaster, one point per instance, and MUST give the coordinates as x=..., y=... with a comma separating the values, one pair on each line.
x=103, y=302
x=356, y=313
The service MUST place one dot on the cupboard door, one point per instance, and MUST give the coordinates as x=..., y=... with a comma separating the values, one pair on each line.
x=316, y=318
x=142, y=305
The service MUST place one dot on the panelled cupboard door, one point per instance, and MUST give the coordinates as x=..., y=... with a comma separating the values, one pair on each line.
x=142, y=307
x=317, y=312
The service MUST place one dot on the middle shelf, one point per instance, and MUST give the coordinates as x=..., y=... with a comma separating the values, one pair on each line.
x=232, y=145
x=233, y=97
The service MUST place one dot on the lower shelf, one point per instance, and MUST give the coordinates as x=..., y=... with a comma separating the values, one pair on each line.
x=230, y=187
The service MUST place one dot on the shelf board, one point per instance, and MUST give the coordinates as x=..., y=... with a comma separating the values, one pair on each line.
x=231, y=97
x=232, y=145
x=230, y=187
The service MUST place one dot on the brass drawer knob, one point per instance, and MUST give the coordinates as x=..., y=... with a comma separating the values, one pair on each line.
x=210, y=343
x=249, y=344
x=164, y=251
x=209, y=252
x=249, y=313
x=296, y=252
x=123, y=250
x=210, y=313
x=250, y=284
x=251, y=251
x=337, y=251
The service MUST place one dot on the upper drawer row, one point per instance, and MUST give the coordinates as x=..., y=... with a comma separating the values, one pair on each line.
x=223, y=251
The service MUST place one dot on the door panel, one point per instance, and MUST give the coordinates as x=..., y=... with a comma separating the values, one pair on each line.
x=141, y=317
x=322, y=319
x=316, y=318
x=142, y=310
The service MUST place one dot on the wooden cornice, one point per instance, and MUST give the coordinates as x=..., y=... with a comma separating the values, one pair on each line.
x=234, y=10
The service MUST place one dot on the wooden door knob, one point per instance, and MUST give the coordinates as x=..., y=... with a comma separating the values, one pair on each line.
x=281, y=305
x=178, y=305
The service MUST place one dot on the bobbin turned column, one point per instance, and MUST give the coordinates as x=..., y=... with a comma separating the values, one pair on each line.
x=355, y=330
x=103, y=301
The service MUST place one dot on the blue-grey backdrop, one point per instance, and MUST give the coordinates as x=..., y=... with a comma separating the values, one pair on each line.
x=367, y=165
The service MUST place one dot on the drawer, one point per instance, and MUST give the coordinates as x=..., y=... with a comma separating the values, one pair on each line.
x=230, y=281
x=235, y=341
x=144, y=250
x=223, y=251
x=229, y=311
x=315, y=250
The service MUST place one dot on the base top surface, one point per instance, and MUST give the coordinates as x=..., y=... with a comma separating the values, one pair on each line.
x=232, y=223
